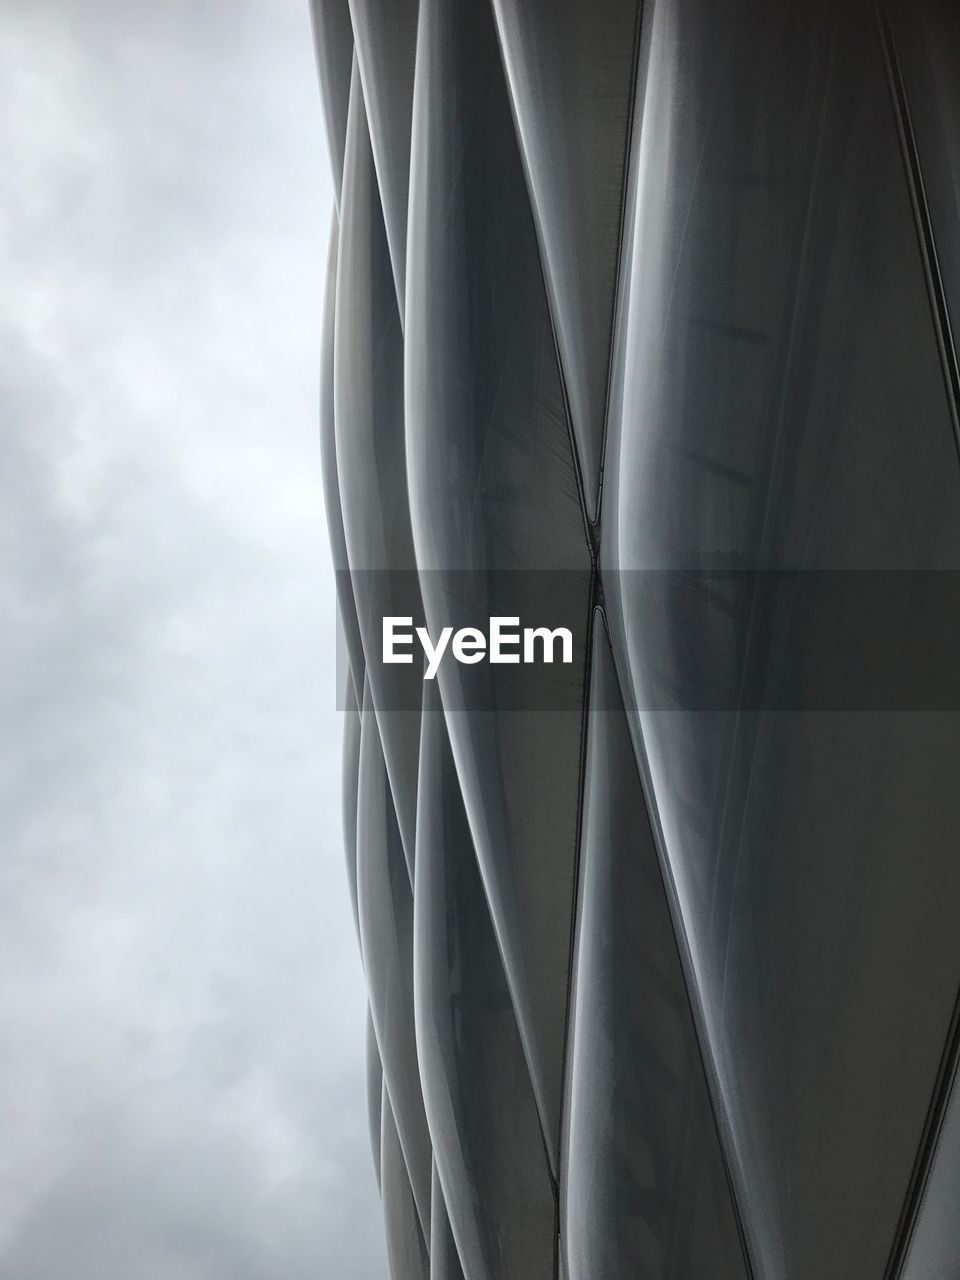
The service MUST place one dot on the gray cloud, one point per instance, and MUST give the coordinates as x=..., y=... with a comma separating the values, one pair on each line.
x=181, y=1010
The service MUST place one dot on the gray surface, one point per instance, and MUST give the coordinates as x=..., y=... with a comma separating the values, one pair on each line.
x=742, y=1067
x=934, y=1250
x=444, y=1259
x=333, y=40
x=571, y=71
x=784, y=407
x=406, y=1248
x=480, y=1105
x=645, y=1188
x=371, y=467
x=493, y=488
x=385, y=902
x=386, y=40
x=374, y=1096
x=346, y=602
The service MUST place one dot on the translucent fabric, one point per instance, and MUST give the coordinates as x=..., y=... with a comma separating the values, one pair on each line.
x=444, y=1259
x=407, y=1251
x=645, y=1188
x=657, y=303
x=933, y=1247
x=386, y=935
x=368, y=400
x=374, y=1094
x=922, y=46
x=350, y=780
x=785, y=409
x=347, y=607
x=386, y=39
x=571, y=70
x=493, y=488
x=333, y=38
x=480, y=1103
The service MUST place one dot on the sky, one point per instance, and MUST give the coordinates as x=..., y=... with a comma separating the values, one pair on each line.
x=181, y=1002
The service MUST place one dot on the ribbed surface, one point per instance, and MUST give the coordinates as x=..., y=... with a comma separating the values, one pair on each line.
x=661, y=297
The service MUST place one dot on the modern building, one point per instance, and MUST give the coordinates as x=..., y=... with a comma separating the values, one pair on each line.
x=657, y=303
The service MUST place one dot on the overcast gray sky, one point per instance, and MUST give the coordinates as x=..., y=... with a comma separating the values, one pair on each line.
x=181, y=1007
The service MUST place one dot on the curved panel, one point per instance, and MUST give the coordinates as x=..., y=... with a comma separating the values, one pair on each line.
x=368, y=392
x=386, y=37
x=480, y=1104
x=374, y=1094
x=407, y=1252
x=493, y=489
x=757, y=1080
x=333, y=41
x=934, y=1249
x=784, y=408
x=444, y=1259
x=349, y=781
x=386, y=933
x=645, y=1191
x=925, y=47
x=328, y=468
x=571, y=67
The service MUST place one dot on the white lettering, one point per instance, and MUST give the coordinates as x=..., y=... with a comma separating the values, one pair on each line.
x=469, y=645
x=391, y=640
x=434, y=654
x=549, y=639
x=500, y=637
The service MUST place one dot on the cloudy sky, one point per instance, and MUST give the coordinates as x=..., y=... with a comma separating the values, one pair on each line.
x=181, y=1007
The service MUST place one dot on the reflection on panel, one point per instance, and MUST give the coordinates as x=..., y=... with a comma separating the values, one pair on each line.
x=333, y=38
x=784, y=407
x=571, y=68
x=386, y=933
x=407, y=1250
x=368, y=393
x=328, y=467
x=386, y=36
x=480, y=1104
x=444, y=1259
x=349, y=780
x=493, y=488
x=374, y=1094
x=645, y=1189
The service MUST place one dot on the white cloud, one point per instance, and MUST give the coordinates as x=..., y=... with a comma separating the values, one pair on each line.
x=181, y=1009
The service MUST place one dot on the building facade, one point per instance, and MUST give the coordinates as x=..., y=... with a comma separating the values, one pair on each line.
x=656, y=302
